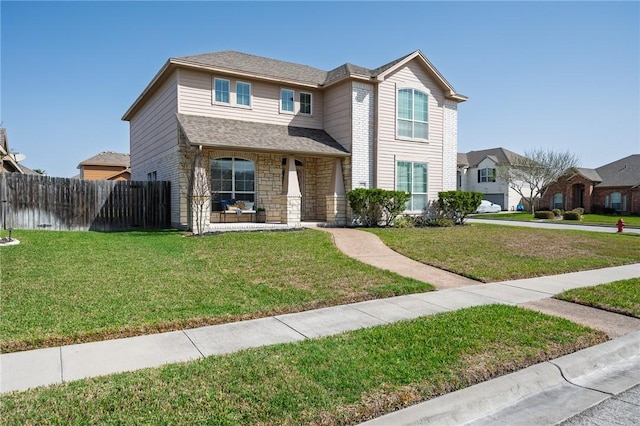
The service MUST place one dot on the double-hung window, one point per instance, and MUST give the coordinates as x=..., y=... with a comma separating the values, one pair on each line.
x=232, y=178
x=243, y=93
x=616, y=201
x=287, y=100
x=412, y=177
x=413, y=114
x=305, y=103
x=557, y=201
x=221, y=90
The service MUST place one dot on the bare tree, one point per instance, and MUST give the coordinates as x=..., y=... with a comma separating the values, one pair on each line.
x=198, y=189
x=531, y=175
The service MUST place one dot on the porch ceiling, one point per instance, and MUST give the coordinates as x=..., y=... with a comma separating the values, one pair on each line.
x=236, y=134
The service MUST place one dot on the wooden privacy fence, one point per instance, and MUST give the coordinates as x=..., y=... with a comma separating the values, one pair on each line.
x=42, y=202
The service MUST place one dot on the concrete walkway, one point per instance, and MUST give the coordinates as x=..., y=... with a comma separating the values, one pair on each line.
x=550, y=225
x=368, y=248
x=560, y=384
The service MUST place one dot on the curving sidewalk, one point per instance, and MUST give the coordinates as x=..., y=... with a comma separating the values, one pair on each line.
x=368, y=248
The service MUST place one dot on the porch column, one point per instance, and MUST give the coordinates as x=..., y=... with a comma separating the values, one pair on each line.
x=336, y=198
x=291, y=201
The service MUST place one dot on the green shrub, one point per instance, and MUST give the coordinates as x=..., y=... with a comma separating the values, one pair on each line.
x=372, y=206
x=572, y=215
x=544, y=214
x=442, y=222
x=579, y=210
x=405, y=221
x=557, y=212
x=457, y=205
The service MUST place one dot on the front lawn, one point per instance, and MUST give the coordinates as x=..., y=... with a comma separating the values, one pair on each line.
x=342, y=379
x=587, y=219
x=490, y=253
x=65, y=287
x=620, y=296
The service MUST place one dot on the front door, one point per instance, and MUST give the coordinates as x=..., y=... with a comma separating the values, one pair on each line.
x=578, y=195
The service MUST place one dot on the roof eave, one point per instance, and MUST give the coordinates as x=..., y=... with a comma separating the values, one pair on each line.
x=230, y=71
x=279, y=151
x=147, y=92
x=443, y=81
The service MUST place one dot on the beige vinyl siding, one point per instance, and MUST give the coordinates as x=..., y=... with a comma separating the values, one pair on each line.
x=391, y=149
x=153, y=129
x=195, y=98
x=337, y=113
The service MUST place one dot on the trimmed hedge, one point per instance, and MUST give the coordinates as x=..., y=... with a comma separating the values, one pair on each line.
x=544, y=214
x=372, y=206
x=572, y=215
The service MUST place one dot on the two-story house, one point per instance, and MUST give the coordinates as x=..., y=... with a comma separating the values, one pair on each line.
x=294, y=139
x=477, y=172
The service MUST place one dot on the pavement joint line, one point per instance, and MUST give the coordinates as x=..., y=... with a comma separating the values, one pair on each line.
x=287, y=325
x=193, y=343
x=502, y=302
x=432, y=303
x=522, y=288
x=61, y=365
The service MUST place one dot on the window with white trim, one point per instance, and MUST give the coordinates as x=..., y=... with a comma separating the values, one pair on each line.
x=243, y=93
x=287, y=100
x=487, y=175
x=305, y=103
x=221, y=90
x=412, y=114
x=412, y=177
x=232, y=178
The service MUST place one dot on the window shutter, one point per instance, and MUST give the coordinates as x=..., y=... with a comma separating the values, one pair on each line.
x=478, y=175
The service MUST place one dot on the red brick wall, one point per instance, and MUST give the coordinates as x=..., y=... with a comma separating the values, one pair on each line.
x=633, y=198
x=566, y=188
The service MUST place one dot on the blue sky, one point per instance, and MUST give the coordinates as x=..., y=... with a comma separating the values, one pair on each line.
x=557, y=75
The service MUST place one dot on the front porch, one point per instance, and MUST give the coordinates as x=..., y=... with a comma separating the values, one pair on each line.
x=254, y=227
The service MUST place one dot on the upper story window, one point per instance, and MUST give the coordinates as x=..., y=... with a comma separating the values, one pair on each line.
x=243, y=93
x=287, y=100
x=487, y=175
x=221, y=90
x=413, y=115
x=305, y=103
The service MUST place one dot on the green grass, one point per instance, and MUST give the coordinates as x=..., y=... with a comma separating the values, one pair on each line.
x=341, y=379
x=620, y=296
x=490, y=253
x=65, y=287
x=587, y=219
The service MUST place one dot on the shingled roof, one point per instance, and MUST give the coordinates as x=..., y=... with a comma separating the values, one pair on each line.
x=259, y=67
x=623, y=172
x=236, y=134
x=498, y=155
x=107, y=158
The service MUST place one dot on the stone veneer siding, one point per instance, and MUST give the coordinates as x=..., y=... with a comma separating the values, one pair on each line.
x=450, y=145
x=362, y=154
x=317, y=177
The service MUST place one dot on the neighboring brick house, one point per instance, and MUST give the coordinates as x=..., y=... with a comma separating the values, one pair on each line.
x=614, y=187
x=477, y=172
x=106, y=166
x=294, y=139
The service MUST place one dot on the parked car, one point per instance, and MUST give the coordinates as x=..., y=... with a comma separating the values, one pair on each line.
x=488, y=207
